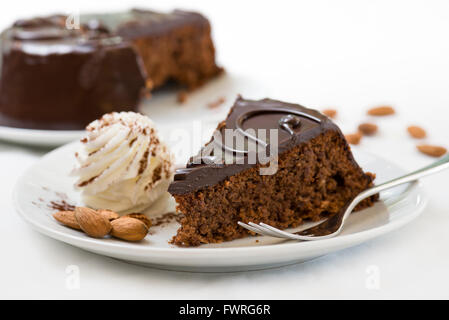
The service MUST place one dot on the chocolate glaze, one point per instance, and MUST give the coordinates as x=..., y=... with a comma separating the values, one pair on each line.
x=138, y=23
x=302, y=124
x=58, y=78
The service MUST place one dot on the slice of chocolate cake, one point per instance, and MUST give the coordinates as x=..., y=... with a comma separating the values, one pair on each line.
x=57, y=76
x=293, y=164
x=173, y=46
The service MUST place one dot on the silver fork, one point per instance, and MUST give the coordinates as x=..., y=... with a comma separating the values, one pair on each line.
x=334, y=224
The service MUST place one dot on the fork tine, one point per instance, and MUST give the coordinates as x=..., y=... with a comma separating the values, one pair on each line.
x=254, y=229
x=264, y=231
x=284, y=234
x=248, y=227
x=267, y=230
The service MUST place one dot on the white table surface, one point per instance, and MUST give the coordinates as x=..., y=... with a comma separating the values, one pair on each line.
x=350, y=55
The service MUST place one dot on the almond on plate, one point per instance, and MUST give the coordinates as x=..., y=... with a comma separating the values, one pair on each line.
x=141, y=217
x=433, y=151
x=129, y=229
x=381, y=111
x=67, y=218
x=368, y=129
x=416, y=132
x=353, y=138
x=331, y=113
x=109, y=214
x=92, y=223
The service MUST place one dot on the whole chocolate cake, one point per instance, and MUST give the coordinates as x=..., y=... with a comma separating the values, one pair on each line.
x=55, y=77
x=314, y=173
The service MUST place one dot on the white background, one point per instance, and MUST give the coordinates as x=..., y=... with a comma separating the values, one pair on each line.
x=350, y=55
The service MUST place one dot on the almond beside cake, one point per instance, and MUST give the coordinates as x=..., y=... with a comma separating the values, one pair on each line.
x=314, y=174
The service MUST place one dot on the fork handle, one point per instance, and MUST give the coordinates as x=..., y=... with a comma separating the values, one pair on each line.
x=435, y=167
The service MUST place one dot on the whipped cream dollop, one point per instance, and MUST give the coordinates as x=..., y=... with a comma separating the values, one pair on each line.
x=122, y=165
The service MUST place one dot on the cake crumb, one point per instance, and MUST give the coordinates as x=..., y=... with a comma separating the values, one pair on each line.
x=215, y=104
x=182, y=96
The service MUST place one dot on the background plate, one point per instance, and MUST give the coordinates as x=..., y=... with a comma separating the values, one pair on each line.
x=48, y=180
x=163, y=108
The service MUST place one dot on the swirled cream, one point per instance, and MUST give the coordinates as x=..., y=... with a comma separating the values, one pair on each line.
x=122, y=165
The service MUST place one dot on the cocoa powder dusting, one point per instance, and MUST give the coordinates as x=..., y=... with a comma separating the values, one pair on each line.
x=144, y=161
x=61, y=205
x=85, y=183
x=166, y=218
x=157, y=174
x=132, y=142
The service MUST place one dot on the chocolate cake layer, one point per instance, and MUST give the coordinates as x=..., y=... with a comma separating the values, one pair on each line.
x=55, y=77
x=314, y=175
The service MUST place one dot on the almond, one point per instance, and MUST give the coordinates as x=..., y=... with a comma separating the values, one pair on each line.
x=368, y=129
x=353, y=138
x=417, y=132
x=381, y=111
x=67, y=218
x=433, y=151
x=129, y=229
x=92, y=223
x=108, y=214
x=141, y=217
x=331, y=113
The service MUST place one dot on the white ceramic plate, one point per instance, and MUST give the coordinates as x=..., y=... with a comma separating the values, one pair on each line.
x=44, y=138
x=162, y=107
x=48, y=180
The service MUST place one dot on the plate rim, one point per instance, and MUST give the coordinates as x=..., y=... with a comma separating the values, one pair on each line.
x=42, y=131
x=138, y=250
x=38, y=137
